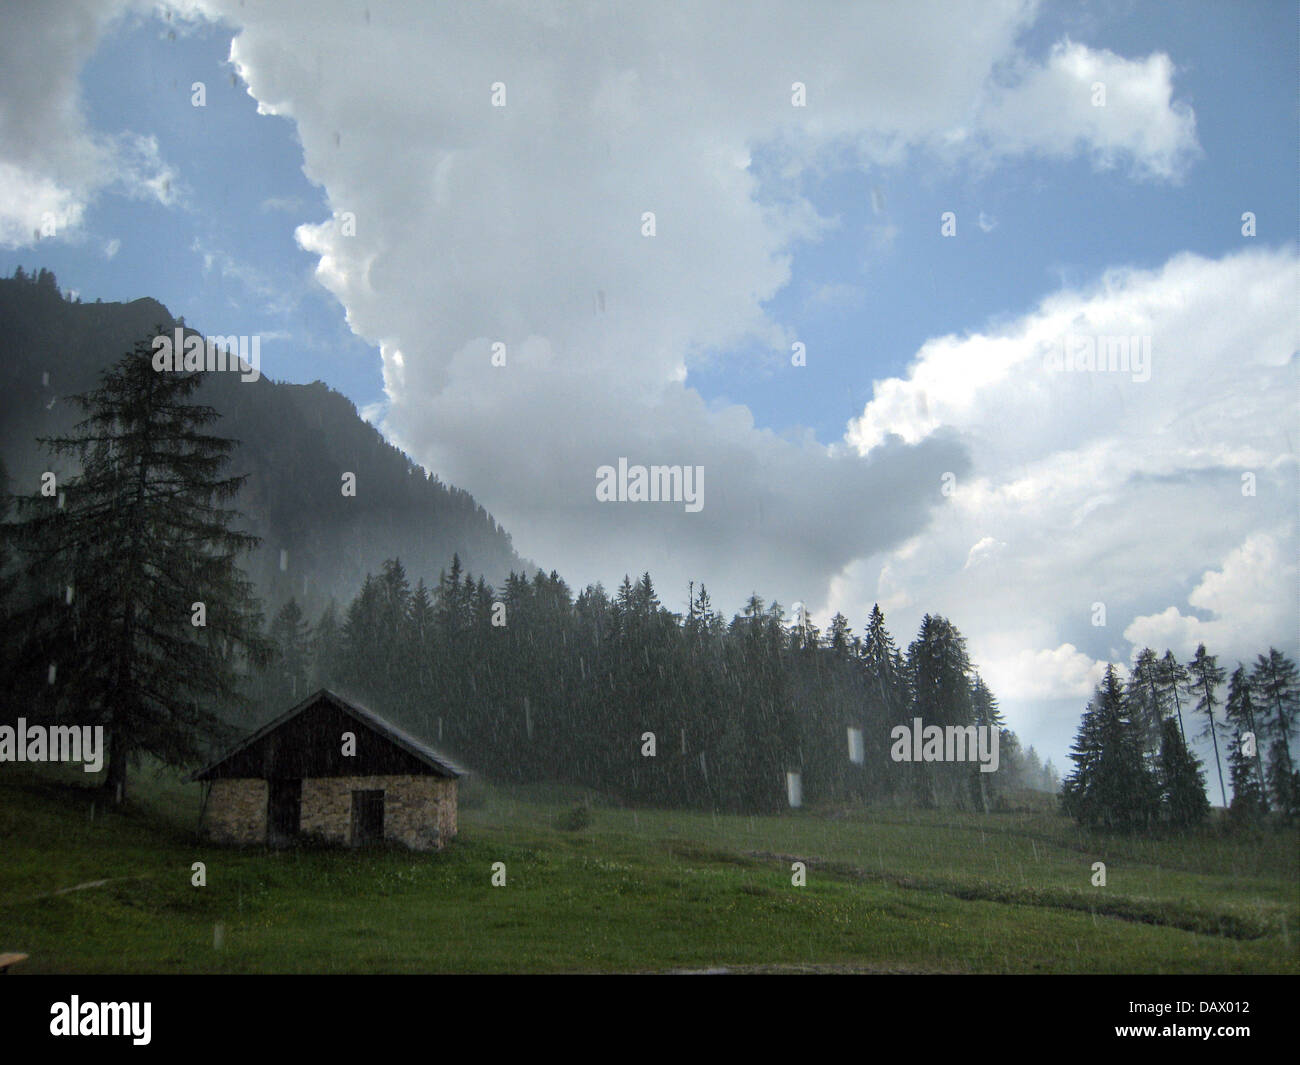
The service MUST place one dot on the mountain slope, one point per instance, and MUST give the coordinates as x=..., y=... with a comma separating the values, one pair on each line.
x=296, y=443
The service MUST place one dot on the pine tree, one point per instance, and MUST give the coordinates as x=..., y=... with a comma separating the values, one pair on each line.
x=327, y=647
x=1033, y=773
x=451, y=610
x=291, y=666
x=1274, y=677
x=940, y=671
x=839, y=636
x=1205, y=676
x=1182, y=783
x=1110, y=784
x=362, y=645
x=160, y=610
x=1245, y=770
x=1148, y=702
x=1283, y=782
x=422, y=613
x=984, y=709
x=886, y=685
x=1173, y=678
x=984, y=704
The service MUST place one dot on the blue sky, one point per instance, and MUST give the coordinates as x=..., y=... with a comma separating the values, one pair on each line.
x=243, y=193
x=775, y=224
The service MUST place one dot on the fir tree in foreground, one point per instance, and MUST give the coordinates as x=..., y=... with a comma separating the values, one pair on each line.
x=133, y=593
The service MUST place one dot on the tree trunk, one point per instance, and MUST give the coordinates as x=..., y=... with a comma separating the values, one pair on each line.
x=115, y=784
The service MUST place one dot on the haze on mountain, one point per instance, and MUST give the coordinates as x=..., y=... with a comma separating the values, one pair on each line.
x=296, y=443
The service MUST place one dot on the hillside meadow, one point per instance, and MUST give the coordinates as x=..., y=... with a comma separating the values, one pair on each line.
x=637, y=890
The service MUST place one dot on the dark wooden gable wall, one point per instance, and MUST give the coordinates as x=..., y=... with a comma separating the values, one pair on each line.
x=310, y=744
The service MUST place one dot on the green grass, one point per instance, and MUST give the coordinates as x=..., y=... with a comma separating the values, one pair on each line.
x=889, y=890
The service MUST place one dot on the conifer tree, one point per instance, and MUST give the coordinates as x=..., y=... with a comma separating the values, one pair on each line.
x=1245, y=770
x=1283, y=785
x=422, y=614
x=1205, y=676
x=1173, y=678
x=1182, y=783
x=291, y=665
x=886, y=686
x=451, y=608
x=940, y=671
x=159, y=615
x=1274, y=677
x=984, y=704
x=984, y=709
x=1110, y=784
x=327, y=646
x=1148, y=702
x=839, y=636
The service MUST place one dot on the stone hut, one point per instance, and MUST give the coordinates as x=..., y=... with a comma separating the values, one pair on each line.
x=331, y=770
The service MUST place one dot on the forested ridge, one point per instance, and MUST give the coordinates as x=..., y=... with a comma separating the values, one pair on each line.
x=579, y=688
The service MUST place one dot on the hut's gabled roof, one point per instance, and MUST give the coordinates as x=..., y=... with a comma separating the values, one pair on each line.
x=439, y=764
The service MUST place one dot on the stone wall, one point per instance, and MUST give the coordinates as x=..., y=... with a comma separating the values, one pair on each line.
x=448, y=808
x=419, y=811
x=236, y=811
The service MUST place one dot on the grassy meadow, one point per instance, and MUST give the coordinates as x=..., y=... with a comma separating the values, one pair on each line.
x=888, y=890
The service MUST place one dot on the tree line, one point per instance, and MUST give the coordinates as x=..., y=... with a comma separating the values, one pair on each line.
x=1133, y=766
x=620, y=694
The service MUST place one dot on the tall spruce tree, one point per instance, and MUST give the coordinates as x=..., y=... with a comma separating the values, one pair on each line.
x=1173, y=677
x=1283, y=783
x=940, y=672
x=1275, y=678
x=984, y=704
x=886, y=688
x=984, y=707
x=1246, y=770
x=1111, y=784
x=1204, y=678
x=327, y=647
x=1148, y=702
x=1182, y=783
x=290, y=667
x=138, y=561
x=839, y=637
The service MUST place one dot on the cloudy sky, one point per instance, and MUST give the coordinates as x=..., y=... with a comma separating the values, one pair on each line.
x=877, y=228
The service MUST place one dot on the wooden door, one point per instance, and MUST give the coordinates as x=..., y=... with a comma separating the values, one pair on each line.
x=284, y=811
x=367, y=817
